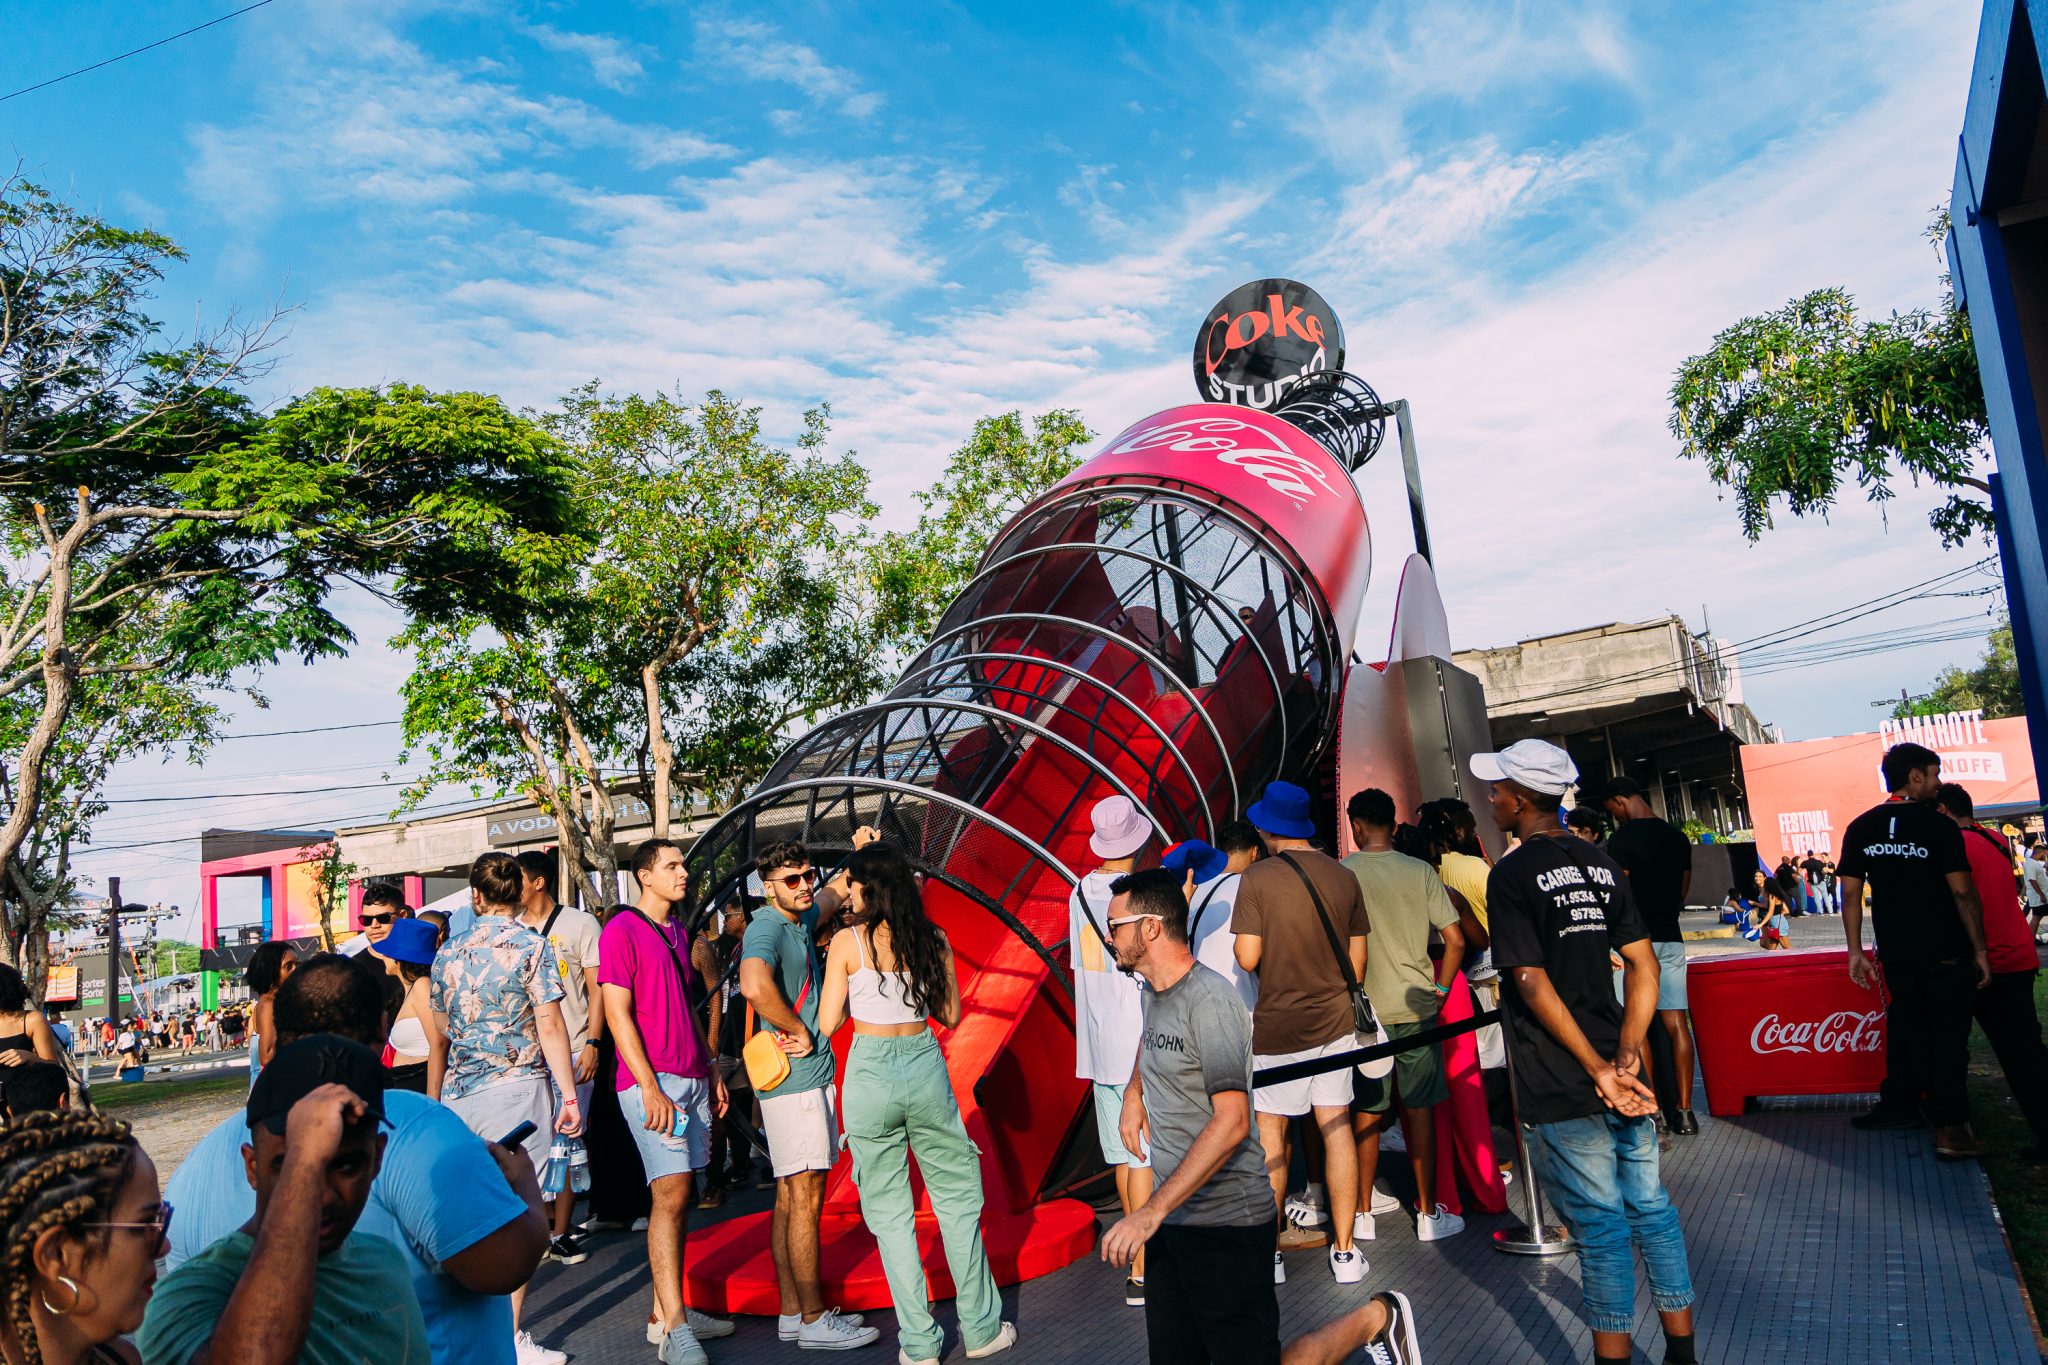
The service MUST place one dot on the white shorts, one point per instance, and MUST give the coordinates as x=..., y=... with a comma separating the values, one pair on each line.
x=497, y=1109
x=1329, y=1090
x=802, y=1130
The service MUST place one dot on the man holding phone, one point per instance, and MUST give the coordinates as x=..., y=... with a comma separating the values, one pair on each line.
x=667, y=1087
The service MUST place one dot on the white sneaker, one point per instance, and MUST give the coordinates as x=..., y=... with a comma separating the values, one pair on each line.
x=1003, y=1340
x=1348, y=1266
x=705, y=1327
x=1279, y=1268
x=1364, y=1227
x=1307, y=1208
x=654, y=1331
x=1434, y=1227
x=1382, y=1202
x=835, y=1332
x=904, y=1357
x=788, y=1325
x=680, y=1347
x=531, y=1352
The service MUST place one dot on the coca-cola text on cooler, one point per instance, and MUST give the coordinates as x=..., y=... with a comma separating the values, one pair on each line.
x=1842, y=1031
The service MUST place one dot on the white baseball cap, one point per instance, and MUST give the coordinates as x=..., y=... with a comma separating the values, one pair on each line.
x=1531, y=763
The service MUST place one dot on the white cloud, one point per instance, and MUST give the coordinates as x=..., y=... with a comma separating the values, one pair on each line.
x=614, y=63
x=756, y=51
x=394, y=128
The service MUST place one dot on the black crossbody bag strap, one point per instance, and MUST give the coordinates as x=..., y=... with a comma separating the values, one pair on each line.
x=1361, y=1008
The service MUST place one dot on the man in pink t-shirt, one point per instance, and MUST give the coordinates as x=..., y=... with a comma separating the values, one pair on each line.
x=668, y=1088
x=2005, y=1008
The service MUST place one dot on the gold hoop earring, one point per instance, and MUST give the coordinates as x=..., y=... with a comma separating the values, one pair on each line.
x=77, y=1298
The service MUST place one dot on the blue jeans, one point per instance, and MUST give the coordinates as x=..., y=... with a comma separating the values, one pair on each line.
x=1602, y=1180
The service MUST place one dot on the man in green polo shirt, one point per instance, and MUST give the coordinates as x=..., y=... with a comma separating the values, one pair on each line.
x=780, y=975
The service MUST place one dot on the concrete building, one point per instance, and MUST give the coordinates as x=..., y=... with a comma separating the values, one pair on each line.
x=432, y=854
x=1648, y=699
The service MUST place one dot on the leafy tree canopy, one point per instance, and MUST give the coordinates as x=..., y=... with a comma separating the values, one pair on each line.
x=1800, y=403
x=1992, y=687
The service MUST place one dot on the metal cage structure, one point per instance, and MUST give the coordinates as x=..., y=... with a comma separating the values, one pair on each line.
x=1170, y=623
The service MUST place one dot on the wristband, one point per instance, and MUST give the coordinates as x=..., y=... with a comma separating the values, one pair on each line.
x=1439, y=988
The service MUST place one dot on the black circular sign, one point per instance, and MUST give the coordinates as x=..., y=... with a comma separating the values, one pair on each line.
x=1262, y=339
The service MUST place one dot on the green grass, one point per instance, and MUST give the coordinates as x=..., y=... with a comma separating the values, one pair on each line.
x=114, y=1096
x=2019, y=1186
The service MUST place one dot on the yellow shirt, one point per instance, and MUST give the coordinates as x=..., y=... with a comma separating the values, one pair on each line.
x=1466, y=875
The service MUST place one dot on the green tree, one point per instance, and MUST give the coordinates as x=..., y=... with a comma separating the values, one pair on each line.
x=1002, y=467
x=1992, y=687
x=1801, y=402
x=722, y=599
x=113, y=718
x=156, y=526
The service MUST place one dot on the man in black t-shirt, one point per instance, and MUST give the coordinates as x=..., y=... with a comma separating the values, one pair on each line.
x=1658, y=860
x=1557, y=907
x=1930, y=936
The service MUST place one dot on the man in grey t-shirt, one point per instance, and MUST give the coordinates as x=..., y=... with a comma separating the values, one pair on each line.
x=1209, y=1228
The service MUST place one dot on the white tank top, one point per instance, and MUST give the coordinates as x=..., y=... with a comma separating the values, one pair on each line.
x=409, y=1037
x=877, y=997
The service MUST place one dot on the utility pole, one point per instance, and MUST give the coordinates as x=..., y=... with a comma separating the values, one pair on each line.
x=114, y=949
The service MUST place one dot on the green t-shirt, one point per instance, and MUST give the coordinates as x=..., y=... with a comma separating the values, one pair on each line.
x=790, y=948
x=364, y=1312
x=1405, y=898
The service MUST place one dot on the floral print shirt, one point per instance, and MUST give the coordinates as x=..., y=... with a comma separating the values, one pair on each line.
x=488, y=983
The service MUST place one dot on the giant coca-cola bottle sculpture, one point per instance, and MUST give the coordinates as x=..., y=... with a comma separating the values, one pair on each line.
x=1170, y=622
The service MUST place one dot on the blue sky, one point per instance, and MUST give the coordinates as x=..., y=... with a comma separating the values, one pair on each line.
x=1526, y=215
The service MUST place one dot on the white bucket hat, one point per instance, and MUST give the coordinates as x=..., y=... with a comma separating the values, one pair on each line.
x=1121, y=829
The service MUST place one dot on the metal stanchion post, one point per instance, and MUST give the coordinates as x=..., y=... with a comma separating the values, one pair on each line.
x=1535, y=1237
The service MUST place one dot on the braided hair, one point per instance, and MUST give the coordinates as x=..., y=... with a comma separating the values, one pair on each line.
x=57, y=1170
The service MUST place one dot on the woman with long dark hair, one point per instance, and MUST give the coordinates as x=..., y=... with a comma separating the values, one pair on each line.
x=892, y=972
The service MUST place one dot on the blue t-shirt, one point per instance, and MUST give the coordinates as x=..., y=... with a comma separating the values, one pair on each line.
x=437, y=1194
x=790, y=947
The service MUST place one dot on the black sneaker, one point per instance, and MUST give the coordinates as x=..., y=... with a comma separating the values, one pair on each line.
x=567, y=1250
x=1395, y=1343
x=1134, y=1293
x=1686, y=1124
x=1880, y=1119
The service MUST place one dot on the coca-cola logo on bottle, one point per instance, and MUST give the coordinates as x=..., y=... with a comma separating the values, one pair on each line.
x=1842, y=1031
x=1256, y=451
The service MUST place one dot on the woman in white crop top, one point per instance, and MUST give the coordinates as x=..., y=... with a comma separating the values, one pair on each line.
x=892, y=973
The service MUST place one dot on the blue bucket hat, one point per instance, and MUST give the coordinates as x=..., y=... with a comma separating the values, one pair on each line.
x=1193, y=855
x=410, y=940
x=1284, y=810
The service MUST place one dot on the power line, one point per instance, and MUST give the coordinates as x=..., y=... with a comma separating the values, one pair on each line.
x=136, y=52
x=310, y=729
x=1782, y=635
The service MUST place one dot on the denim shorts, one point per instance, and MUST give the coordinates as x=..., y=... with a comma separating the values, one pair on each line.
x=668, y=1153
x=1109, y=1113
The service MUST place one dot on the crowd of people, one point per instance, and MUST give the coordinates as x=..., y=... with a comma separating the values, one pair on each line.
x=380, y=1196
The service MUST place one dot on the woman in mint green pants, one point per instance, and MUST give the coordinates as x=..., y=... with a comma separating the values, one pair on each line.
x=892, y=972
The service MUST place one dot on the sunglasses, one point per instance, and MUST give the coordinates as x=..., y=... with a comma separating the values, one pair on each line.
x=796, y=881
x=160, y=1225
x=368, y=920
x=1117, y=924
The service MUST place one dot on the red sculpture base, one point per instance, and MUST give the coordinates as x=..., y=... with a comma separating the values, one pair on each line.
x=730, y=1270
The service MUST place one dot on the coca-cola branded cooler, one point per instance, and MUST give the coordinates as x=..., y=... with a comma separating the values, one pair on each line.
x=1788, y=1023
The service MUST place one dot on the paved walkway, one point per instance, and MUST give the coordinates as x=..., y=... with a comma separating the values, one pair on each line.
x=1809, y=1242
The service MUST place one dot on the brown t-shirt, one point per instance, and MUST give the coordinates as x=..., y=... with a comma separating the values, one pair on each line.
x=1303, y=1002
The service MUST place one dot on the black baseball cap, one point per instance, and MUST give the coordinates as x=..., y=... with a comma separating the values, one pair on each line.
x=301, y=1067
x=1616, y=787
